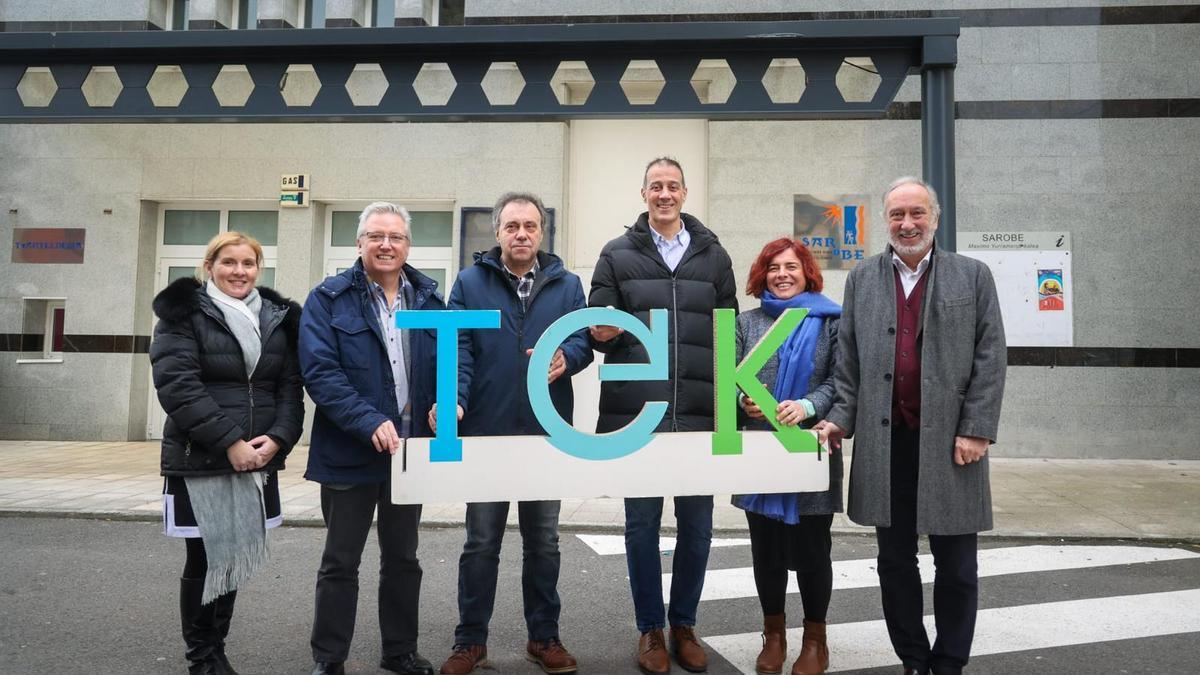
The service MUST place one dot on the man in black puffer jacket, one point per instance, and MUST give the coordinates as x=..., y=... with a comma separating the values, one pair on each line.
x=667, y=259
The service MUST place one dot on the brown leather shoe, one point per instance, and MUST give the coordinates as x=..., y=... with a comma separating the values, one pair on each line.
x=687, y=650
x=814, y=654
x=652, y=653
x=465, y=659
x=774, y=651
x=551, y=656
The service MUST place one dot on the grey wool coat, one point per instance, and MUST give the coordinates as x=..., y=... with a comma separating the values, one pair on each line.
x=963, y=361
x=751, y=326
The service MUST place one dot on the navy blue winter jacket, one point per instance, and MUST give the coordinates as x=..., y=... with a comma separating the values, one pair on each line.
x=344, y=360
x=492, y=364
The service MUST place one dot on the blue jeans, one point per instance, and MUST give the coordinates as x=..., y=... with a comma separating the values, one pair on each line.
x=477, y=569
x=643, y=516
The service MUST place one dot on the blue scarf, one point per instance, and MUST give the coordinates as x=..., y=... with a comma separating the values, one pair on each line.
x=796, y=354
x=791, y=384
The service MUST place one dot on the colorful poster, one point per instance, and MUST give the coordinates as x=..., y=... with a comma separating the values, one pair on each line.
x=835, y=230
x=1050, y=291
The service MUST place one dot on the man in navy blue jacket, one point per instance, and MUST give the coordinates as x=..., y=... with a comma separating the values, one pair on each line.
x=532, y=290
x=372, y=384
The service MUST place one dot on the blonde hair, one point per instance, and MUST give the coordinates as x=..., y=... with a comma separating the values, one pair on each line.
x=219, y=242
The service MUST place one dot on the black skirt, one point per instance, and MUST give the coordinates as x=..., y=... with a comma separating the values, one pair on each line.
x=803, y=547
x=180, y=521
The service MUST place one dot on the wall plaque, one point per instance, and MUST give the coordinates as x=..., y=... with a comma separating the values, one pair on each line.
x=48, y=245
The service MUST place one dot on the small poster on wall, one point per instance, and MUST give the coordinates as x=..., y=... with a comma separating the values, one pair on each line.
x=834, y=229
x=1050, y=291
x=1032, y=271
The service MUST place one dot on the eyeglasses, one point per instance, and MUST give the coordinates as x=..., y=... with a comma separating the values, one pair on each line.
x=378, y=237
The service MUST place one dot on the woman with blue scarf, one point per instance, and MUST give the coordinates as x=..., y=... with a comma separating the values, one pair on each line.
x=791, y=531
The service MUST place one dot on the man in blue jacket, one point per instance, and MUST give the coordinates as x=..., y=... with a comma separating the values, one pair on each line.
x=532, y=290
x=372, y=384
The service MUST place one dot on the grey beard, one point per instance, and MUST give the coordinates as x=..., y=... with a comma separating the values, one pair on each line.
x=920, y=246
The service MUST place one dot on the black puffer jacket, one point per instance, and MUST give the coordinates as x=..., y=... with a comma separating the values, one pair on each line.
x=631, y=276
x=200, y=376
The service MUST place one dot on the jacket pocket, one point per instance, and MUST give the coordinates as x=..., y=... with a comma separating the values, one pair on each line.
x=354, y=340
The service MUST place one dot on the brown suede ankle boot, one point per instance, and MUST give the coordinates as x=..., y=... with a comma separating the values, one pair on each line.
x=774, y=651
x=814, y=654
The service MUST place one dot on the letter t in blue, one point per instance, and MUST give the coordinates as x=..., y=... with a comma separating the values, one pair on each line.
x=446, y=445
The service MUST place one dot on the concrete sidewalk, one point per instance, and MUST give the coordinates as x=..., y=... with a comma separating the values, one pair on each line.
x=1126, y=499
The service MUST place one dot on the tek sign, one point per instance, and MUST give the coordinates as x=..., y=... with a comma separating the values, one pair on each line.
x=633, y=461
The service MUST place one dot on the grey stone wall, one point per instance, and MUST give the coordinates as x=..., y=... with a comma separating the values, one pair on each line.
x=132, y=168
x=501, y=8
x=84, y=10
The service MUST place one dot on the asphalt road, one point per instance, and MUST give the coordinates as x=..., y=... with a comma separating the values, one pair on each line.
x=96, y=596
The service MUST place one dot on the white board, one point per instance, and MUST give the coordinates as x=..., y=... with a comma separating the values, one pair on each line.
x=1015, y=259
x=513, y=468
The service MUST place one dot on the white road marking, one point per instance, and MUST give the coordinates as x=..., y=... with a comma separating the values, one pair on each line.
x=614, y=544
x=739, y=582
x=1001, y=630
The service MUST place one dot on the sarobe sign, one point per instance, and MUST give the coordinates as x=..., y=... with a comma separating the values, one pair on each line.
x=630, y=462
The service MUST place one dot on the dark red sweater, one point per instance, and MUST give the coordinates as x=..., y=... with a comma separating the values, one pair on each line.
x=906, y=389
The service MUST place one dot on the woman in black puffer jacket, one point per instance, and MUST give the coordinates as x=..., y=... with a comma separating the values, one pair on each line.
x=226, y=369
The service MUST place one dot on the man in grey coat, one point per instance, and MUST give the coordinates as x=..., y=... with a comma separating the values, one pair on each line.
x=920, y=379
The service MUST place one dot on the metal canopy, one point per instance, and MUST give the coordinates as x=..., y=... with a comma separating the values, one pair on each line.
x=59, y=64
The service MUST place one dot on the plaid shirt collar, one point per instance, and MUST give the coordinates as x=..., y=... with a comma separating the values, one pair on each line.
x=524, y=282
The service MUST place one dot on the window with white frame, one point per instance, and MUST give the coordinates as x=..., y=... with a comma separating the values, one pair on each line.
x=185, y=229
x=432, y=230
x=44, y=329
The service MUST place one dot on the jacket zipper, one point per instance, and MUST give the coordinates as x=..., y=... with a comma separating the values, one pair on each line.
x=250, y=390
x=675, y=344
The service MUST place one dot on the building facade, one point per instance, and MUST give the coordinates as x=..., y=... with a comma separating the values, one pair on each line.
x=1076, y=116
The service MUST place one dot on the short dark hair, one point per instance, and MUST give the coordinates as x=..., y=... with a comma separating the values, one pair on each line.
x=510, y=197
x=669, y=161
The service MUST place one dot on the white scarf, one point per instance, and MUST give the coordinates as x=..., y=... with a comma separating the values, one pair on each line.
x=242, y=317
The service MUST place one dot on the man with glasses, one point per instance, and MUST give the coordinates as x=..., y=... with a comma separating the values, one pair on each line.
x=532, y=289
x=372, y=384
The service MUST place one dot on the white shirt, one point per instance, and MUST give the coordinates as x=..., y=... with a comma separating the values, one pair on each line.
x=672, y=250
x=908, y=276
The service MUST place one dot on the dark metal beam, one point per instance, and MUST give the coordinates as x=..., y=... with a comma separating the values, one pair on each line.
x=895, y=46
x=937, y=132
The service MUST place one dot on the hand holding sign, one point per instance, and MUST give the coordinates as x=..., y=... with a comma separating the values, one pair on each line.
x=558, y=366
x=433, y=416
x=752, y=409
x=829, y=434
x=604, y=333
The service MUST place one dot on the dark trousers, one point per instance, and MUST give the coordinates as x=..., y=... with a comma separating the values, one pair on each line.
x=347, y=512
x=776, y=548
x=480, y=562
x=643, y=517
x=955, y=582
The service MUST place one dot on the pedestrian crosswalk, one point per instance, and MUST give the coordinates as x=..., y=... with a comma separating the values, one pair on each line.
x=1038, y=626
x=739, y=582
x=999, y=630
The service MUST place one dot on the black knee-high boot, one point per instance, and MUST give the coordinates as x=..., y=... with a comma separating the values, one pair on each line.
x=198, y=622
x=224, y=615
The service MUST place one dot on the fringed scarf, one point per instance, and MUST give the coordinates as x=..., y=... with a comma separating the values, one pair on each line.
x=229, y=509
